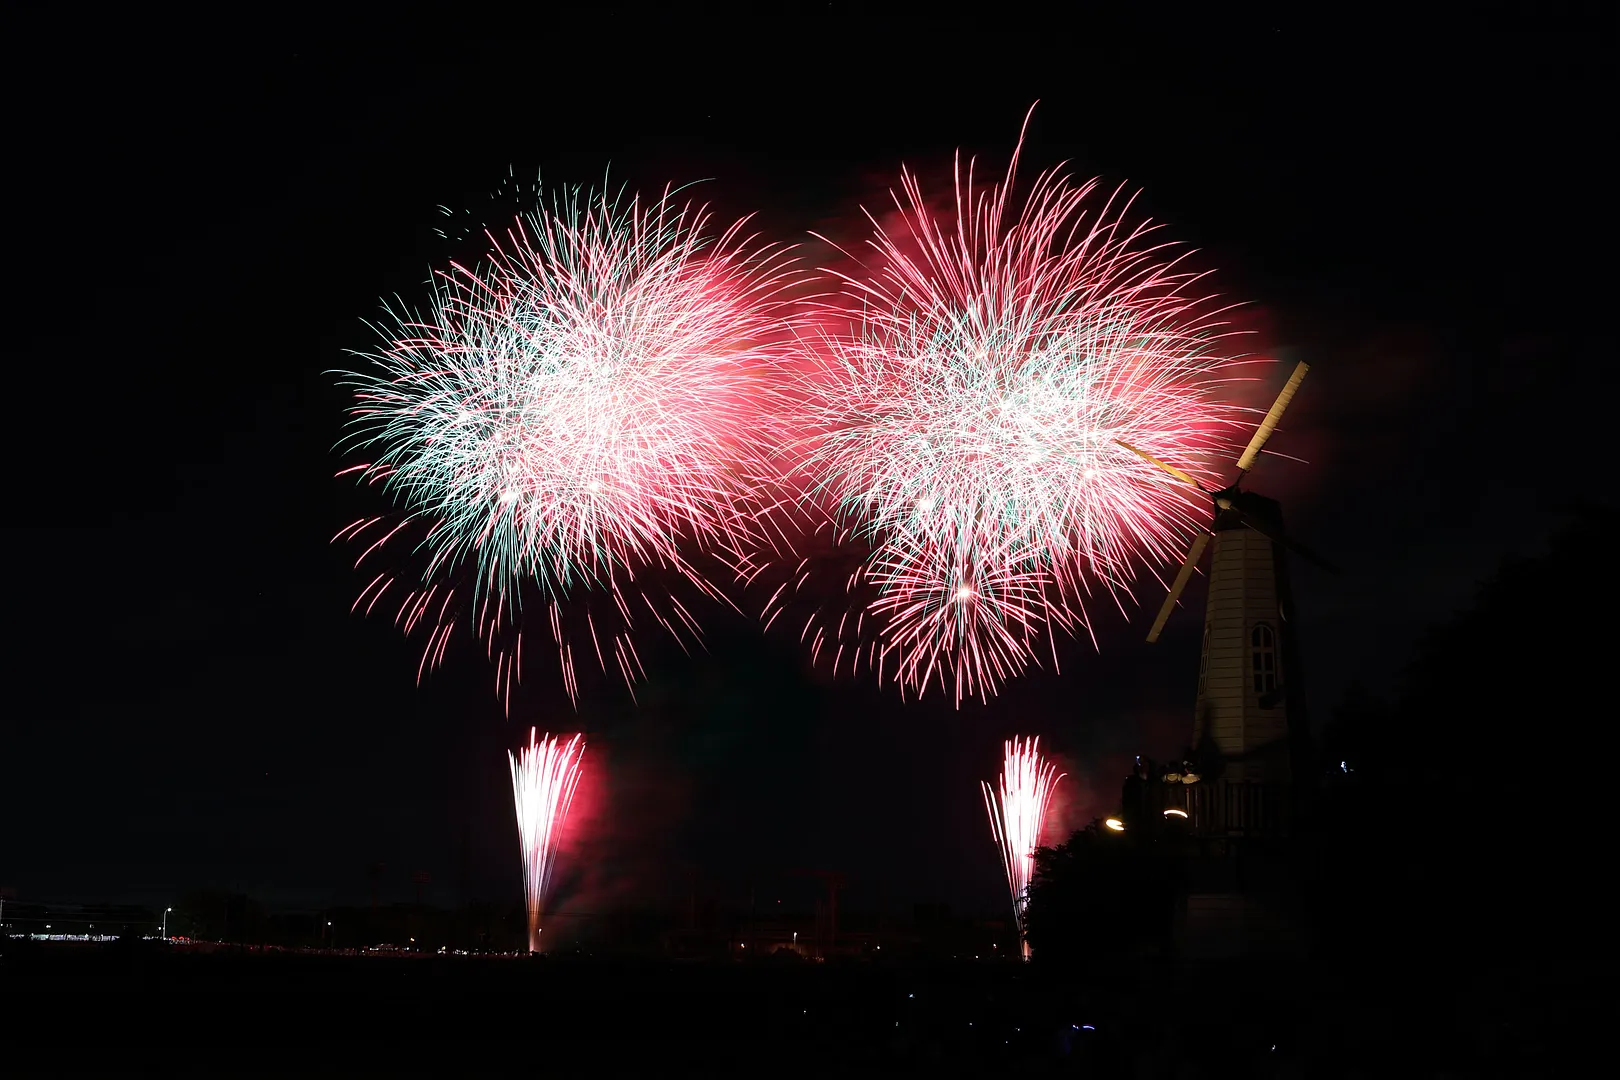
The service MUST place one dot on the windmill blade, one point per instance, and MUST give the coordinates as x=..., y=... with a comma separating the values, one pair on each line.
x=1310, y=556
x=1269, y=424
x=1292, y=545
x=1183, y=576
x=1171, y=469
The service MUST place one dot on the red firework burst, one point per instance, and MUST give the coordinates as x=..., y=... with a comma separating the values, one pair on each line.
x=971, y=416
x=586, y=411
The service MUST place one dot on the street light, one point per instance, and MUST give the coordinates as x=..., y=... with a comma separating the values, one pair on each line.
x=166, y=923
x=1115, y=824
x=1175, y=811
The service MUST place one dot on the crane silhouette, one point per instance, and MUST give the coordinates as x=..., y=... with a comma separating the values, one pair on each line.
x=374, y=873
x=833, y=881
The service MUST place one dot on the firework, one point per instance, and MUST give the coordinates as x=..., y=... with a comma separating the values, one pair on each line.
x=1017, y=813
x=971, y=413
x=581, y=409
x=544, y=775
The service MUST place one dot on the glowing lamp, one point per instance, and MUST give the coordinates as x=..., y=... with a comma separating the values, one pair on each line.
x=1175, y=812
x=1115, y=824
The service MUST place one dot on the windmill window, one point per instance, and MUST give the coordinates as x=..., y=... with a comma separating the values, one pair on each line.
x=1263, y=650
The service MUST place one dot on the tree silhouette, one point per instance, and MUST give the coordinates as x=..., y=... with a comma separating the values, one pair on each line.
x=1101, y=897
x=1461, y=831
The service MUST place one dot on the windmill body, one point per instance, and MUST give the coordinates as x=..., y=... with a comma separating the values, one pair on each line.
x=1245, y=712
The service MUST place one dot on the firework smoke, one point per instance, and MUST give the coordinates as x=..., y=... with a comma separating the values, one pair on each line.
x=967, y=419
x=1017, y=813
x=589, y=405
x=544, y=775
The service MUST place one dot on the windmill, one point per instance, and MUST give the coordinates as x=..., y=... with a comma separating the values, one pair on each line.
x=1249, y=678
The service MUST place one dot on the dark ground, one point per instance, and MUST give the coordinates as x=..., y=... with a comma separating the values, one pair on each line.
x=136, y=1009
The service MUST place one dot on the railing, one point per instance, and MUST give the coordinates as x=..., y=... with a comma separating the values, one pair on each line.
x=1226, y=808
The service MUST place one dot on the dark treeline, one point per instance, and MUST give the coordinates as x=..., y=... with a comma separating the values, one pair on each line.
x=699, y=930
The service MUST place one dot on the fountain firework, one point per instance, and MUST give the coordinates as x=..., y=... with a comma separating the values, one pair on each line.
x=1017, y=813
x=544, y=775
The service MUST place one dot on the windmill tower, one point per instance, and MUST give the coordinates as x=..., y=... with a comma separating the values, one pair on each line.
x=1250, y=705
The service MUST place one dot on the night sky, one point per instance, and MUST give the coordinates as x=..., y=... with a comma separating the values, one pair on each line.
x=197, y=233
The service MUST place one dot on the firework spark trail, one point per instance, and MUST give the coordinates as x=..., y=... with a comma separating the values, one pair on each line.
x=544, y=776
x=967, y=409
x=1017, y=813
x=591, y=402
